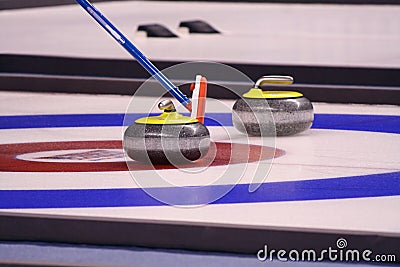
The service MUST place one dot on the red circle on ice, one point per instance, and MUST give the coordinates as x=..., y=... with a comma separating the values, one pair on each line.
x=104, y=156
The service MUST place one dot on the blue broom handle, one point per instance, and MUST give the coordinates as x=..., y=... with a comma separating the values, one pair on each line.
x=132, y=49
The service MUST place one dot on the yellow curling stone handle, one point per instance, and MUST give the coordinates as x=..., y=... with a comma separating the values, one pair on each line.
x=169, y=116
x=257, y=92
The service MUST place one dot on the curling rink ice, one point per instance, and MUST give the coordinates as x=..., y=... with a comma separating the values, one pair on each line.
x=341, y=175
x=345, y=35
x=64, y=177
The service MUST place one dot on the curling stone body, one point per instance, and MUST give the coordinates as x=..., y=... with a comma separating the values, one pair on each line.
x=266, y=113
x=169, y=138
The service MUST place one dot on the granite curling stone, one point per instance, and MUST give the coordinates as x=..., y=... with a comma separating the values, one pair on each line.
x=169, y=138
x=266, y=113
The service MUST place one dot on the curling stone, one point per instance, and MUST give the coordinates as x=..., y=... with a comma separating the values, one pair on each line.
x=169, y=138
x=264, y=113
